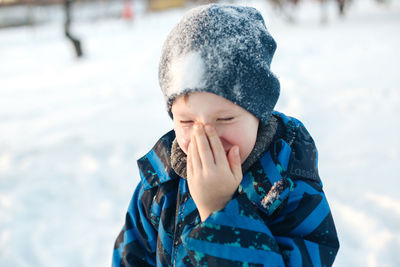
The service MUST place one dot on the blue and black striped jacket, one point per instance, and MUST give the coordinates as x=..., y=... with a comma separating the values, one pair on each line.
x=278, y=217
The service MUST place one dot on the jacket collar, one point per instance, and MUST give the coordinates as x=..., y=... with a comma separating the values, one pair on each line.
x=155, y=167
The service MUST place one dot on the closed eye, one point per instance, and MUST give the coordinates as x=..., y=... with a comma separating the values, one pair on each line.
x=185, y=122
x=225, y=119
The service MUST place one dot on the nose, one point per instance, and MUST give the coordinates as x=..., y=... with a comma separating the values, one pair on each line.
x=204, y=123
x=226, y=145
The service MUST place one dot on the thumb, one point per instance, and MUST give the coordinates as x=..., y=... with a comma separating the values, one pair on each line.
x=235, y=162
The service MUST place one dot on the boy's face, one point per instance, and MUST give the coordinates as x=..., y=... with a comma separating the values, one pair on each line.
x=234, y=125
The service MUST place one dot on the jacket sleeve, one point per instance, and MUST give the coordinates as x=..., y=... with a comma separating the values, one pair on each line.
x=290, y=225
x=136, y=243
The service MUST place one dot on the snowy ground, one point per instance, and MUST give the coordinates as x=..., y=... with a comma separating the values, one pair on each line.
x=71, y=130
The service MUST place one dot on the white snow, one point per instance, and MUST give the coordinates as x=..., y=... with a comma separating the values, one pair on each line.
x=71, y=130
x=187, y=72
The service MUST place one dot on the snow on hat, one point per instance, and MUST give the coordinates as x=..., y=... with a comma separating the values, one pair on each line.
x=225, y=50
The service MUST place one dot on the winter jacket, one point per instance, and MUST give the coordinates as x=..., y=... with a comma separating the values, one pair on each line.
x=279, y=215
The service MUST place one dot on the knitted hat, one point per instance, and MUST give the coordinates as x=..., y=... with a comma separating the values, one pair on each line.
x=225, y=50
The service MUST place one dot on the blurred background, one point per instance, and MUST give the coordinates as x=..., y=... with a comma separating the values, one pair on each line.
x=80, y=103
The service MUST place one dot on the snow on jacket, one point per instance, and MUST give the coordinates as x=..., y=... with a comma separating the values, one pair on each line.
x=278, y=217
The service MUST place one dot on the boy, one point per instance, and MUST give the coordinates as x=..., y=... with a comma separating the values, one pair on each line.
x=234, y=184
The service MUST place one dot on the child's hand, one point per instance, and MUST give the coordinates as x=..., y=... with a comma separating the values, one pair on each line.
x=213, y=177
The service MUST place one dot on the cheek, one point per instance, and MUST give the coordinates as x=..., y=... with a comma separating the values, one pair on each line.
x=183, y=137
x=232, y=136
x=241, y=137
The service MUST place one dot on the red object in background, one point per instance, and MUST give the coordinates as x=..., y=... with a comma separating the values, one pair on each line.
x=127, y=12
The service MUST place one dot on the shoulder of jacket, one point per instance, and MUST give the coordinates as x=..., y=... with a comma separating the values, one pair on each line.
x=303, y=162
x=155, y=167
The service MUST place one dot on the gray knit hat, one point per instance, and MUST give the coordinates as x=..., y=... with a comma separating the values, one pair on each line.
x=225, y=50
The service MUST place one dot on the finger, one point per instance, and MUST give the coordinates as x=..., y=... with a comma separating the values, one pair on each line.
x=235, y=163
x=196, y=162
x=189, y=166
x=203, y=146
x=216, y=145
